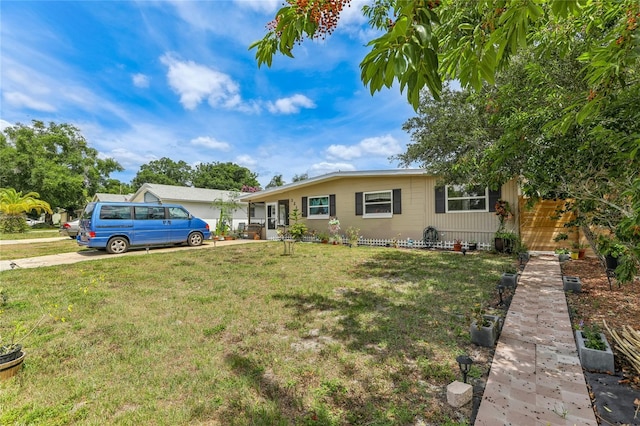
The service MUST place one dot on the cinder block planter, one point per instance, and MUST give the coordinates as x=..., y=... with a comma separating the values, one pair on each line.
x=594, y=359
x=485, y=336
x=571, y=284
x=509, y=280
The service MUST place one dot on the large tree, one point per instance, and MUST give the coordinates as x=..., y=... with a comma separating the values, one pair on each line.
x=225, y=176
x=275, y=181
x=55, y=161
x=421, y=43
x=164, y=171
x=507, y=130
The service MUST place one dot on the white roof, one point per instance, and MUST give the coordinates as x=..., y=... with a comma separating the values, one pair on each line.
x=184, y=193
x=332, y=176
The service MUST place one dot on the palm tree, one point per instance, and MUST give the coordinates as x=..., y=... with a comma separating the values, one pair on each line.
x=14, y=206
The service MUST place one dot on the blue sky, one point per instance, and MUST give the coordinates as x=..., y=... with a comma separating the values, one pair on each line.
x=150, y=79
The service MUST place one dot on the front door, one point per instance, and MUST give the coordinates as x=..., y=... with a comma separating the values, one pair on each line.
x=272, y=220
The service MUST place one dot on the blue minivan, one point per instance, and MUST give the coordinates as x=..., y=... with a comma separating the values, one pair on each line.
x=117, y=226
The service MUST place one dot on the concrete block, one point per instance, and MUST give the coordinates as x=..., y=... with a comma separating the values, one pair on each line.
x=509, y=280
x=571, y=284
x=459, y=394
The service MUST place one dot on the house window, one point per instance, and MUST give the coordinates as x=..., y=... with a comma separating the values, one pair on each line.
x=461, y=198
x=318, y=207
x=378, y=204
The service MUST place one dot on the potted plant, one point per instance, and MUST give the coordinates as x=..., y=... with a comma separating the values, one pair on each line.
x=484, y=327
x=612, y=250
x=334, y=229
x=323, y=237
x=593, y=348
x=563, y=254
x=579, y=248
x=226, y=207
x=473, y=245
x=457, y=245
x=503, y=239
x=12, y=354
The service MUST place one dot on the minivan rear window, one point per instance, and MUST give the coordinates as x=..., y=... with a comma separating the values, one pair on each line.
x=115, y=212
x=88, y=211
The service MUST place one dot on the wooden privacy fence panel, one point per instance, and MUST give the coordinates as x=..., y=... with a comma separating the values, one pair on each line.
x=540, y=224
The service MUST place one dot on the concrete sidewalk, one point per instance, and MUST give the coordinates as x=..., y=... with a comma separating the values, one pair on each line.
x=81, y=256
x=536, y=377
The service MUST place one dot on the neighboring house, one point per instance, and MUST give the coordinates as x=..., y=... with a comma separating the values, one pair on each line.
x=198, y=201
x=102, y=196
x=388, y=204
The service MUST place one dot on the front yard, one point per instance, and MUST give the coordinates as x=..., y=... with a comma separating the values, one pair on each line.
x=244, y=335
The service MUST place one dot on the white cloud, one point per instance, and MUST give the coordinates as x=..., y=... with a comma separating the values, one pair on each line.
x=290, y=105
x=195, y=82
x=140, y=80
x=383, y=146
x=267, y=6
x=128, y=159
x=325, y=167
x=21, y=100
x=4, y=124
x=212, y=143
x=246, y=161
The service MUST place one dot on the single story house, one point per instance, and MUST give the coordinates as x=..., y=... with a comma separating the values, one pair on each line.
x=198, y=201
x=388, y=204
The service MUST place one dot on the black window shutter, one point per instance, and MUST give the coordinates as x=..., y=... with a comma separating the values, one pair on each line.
x=358, y=203
x=304, y=206
x=397, y=201
x=493, y=197
x=332, y=205
x=440, y=202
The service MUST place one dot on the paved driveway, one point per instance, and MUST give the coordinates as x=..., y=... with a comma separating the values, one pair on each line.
x=74, y=257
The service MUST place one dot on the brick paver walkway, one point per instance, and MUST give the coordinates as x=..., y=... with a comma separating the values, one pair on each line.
x=536, y=377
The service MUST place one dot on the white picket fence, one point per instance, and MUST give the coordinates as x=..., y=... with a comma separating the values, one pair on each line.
x=400, y=243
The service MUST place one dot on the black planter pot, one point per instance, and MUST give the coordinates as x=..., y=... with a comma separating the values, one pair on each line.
x=13, y=354
x=503, y=245
x=612, y=262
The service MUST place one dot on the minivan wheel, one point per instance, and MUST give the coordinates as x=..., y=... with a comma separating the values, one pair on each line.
x=195, y=239
x=117, y=245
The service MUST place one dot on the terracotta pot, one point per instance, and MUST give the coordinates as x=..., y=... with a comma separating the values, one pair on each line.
x=457, y=247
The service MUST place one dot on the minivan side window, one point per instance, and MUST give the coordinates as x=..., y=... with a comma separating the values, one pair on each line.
x=115, y=212
x=148, y=213
x=178, y=213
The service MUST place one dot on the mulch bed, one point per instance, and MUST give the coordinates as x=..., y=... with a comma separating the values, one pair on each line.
x=618, y=306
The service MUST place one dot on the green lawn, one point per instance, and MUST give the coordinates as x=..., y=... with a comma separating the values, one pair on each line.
x=20, y=251
x=31, y=233
x=244, y=335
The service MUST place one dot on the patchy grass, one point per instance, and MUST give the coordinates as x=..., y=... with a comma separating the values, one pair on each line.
x=244, y=335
